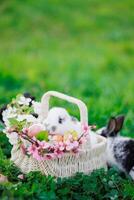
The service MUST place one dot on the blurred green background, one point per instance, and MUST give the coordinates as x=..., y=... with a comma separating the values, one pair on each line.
x=84, y=48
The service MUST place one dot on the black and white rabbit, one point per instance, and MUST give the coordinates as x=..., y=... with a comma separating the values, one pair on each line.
x=120, y=150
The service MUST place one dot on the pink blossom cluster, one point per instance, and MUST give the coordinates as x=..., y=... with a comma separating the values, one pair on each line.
x=47, y=150
x=42, y=150
x=53, y=148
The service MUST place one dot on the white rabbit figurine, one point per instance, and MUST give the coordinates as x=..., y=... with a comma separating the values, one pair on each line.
x=59, y=122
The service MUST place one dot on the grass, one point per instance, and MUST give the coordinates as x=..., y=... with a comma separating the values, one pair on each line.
x=82, y=48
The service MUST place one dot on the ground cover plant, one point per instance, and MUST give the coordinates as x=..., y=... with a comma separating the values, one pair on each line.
x=82, y=48
x=98, y=185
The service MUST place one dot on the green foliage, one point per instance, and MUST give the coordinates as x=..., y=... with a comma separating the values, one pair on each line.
x=1, y=126
x=18, y=125
x=7, y=168
x=42, y=135
x=14, y=122
x=100, y=185
x=5, y=145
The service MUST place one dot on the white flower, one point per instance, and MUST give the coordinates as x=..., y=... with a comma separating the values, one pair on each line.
x=24, y=101
x=7, y=114
x=21, y=118
x=26, y=143
x=28, y=118
x=13, y=138
x=36, y=107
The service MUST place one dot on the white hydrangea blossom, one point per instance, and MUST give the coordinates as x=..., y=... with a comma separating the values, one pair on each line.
x=16, y=112
x=13, y=138
x=24, y=101
x=28, y=118
x=7, y=114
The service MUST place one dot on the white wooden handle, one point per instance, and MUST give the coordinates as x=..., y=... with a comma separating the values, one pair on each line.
x=82, y=107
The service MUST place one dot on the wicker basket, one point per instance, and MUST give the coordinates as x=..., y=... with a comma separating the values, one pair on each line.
x=87, y=160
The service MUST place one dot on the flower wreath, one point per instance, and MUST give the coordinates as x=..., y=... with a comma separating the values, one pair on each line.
x=23, y=126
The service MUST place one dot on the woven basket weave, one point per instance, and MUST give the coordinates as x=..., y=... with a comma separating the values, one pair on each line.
x=87, y=160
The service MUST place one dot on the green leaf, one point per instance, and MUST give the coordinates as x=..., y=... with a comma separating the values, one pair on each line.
x=1, y=126
x=42, y=135
x=18, y=96
x=18, y=125
x=13, y=121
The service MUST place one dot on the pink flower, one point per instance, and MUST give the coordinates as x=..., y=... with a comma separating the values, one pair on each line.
x=85, y=127
x=49, y=156
x=43, y=144
x=69, y=146
x=61, y=146
x=23, y=148
x=21, y=176
x=11, y=129
x=72, y=145
x=82, y=140
x=58, y=153
x=37, y=156
x=33, y=150
x=34, y=129
x=75, y=144
x=25, y=130
x=76, y=150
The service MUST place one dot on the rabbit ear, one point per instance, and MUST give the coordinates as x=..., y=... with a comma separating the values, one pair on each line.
x=111, y=125
x=119, y=123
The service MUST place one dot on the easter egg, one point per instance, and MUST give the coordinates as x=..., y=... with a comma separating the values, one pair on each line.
x=34, y=129
x=58, y=138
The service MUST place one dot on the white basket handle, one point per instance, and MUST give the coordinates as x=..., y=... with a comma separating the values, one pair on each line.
x=81, y=105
